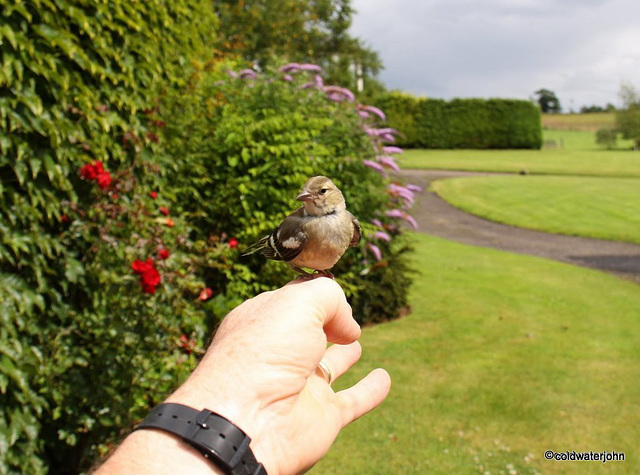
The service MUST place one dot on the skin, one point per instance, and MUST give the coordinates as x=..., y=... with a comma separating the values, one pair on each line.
x=261, y=372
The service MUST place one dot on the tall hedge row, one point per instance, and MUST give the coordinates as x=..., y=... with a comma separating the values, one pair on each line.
x=463, y=123
x=133, y=172
x=76, y=79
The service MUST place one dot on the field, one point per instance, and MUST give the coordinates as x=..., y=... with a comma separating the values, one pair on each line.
x=504, y=356
x=582, y=122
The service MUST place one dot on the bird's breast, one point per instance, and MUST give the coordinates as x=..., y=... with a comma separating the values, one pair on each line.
x=328, y=237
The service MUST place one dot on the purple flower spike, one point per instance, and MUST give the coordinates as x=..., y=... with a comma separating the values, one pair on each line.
x=248, y=74
x=392, y=150
x=287, y=77
x=389, y=162
x=375, y=110
x=363, y=114
x=398, y=213
x=376, y=222
x=404, y=193
x=310, y=67
x=376, y=166
x=382, y=235
x=388, y=138
x=375, y=250
x=344, y=92
x=415, y=188
x=319, y=82
x=289, y=68
x=233, y=74
x=411, y=220
x=387, y=130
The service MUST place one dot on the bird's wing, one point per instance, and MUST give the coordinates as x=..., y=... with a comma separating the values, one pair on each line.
x=357, y=232
x=287, y=240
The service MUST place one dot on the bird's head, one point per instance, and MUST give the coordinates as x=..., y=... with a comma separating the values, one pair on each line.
x=321, y=197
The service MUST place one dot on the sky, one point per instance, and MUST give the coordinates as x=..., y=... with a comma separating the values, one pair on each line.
x=582, y=50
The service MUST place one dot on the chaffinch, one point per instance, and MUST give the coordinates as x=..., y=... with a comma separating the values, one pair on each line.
x=315, y=235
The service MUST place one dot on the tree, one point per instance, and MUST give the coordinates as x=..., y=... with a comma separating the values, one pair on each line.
x=628, y=116
x=548, y=101
x=309, y=31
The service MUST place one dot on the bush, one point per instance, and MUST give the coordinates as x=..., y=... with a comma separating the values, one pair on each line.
x=607, y=138
x=76, y=79
x=249, y=144
x=464, y=123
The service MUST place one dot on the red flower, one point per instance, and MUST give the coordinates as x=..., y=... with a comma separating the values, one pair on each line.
x=169, y=222
x=153, y=194
x=163, y=253
x=164, y=210
x=64, y=218
x=206, y=294
x=149, y=275
x=153, y=137
x=186, y=344
x=88, y=172
x=233, y=243
x=104, y=180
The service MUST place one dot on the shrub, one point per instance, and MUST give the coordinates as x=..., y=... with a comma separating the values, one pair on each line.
x=464, y=123
x=607, y=138
x=248, y=144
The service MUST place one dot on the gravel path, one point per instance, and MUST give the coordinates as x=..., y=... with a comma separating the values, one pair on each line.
x=435, y=216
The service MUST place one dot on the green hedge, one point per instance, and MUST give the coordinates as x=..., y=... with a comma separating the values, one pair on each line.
x=75, y=82
x=463, y=123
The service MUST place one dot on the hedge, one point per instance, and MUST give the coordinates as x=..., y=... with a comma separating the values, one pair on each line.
x=75, y=81
x=463, y=123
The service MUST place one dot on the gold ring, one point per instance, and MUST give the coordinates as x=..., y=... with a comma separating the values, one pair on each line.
x=326, y=372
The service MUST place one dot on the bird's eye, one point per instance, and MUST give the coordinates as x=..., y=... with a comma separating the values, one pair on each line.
x=323, y=191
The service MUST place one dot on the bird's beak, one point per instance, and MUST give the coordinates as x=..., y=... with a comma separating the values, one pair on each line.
x=304, y=196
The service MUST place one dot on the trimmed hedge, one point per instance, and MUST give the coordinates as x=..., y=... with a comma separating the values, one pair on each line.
x=75, y=82
x=463, y=123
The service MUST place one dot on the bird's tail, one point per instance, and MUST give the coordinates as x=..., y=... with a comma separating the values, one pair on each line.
x=255, y=247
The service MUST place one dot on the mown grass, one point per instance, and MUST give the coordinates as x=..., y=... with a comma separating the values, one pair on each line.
x=579, y=155
x=504, y=357
x=604, y=208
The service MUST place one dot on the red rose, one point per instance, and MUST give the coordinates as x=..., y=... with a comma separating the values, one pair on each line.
x=233, y=243
x=164, y=210
x=153, y=194
x=206, y=294
x=163, y=253
x=149, y=276
x=104, y=180
x=97, y=164
x=88, y=172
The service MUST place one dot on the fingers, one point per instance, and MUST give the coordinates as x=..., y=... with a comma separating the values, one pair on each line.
x=339, y=358
x=365, y=396
x=334, y=312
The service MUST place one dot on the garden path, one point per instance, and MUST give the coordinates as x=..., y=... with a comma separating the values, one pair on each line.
x=435, y=216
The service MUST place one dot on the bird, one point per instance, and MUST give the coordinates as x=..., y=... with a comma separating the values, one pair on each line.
x=316, y=235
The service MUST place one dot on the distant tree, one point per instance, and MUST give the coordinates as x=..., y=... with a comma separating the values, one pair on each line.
x=628, y=117
x=548, y=101
x=590, y=109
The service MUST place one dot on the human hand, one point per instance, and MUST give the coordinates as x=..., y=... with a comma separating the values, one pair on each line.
x=260, y=372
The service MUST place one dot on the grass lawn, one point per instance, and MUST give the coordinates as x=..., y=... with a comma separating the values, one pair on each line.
x=504, y=357
x=605, y=208
x=580, y=156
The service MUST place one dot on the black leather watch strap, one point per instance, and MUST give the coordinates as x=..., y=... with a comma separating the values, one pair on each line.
x=215, y=437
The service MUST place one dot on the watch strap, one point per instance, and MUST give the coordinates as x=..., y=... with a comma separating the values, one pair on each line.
x=214, y=436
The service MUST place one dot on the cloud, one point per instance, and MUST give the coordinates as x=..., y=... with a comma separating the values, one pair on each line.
x=581, y=49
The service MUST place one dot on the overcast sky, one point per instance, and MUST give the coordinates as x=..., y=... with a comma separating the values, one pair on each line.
x=580, y=49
